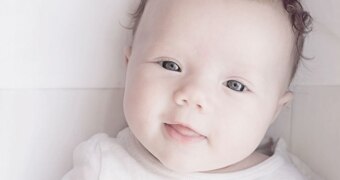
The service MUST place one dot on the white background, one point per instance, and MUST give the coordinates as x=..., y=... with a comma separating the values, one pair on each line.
x=62, y=80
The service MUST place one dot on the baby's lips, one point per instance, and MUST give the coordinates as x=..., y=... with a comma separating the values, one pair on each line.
x=185, y=130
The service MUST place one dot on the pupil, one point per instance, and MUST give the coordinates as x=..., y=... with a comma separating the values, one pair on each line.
x=171, y=66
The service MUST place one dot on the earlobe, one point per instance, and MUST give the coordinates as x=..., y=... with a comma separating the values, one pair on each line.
x=127, y=54
x=283, y=101
x=286, y=98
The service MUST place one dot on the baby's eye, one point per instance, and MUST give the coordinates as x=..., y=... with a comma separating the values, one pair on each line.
x=235, y=85
x=170, y=66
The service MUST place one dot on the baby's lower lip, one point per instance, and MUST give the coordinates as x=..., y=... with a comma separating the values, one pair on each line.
x=182, y=134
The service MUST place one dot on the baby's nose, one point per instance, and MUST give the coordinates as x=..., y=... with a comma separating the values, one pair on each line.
x=193, y=96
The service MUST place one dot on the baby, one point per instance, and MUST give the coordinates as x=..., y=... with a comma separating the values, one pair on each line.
x=204, y=81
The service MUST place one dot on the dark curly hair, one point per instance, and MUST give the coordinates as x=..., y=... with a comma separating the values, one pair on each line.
x=301, y=22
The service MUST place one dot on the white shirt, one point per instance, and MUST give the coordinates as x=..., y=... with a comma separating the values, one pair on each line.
x=105, y=158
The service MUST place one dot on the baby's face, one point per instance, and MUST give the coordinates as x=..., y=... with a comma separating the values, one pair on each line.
x=205, y=79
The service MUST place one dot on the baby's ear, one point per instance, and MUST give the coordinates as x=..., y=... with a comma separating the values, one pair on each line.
x=286, y=98
x=283, y=101
x=127, y=54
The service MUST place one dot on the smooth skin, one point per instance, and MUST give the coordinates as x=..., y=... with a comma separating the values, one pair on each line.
x=220, y=67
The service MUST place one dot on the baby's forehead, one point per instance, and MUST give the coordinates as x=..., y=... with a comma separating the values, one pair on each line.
x=221, y=10
x=213, y=20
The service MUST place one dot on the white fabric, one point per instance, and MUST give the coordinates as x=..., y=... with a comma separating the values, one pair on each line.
x=106, y=158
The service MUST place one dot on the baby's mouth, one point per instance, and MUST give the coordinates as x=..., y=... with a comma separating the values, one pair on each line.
x=183, y=133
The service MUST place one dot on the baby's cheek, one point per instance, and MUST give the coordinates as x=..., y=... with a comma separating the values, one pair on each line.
x=142, y=98
x=235, y=137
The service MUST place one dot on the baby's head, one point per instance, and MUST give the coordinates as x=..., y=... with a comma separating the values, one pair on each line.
x=205, y=79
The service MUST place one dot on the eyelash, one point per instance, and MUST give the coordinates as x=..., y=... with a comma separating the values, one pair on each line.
x=231, y=83
x=165, y=67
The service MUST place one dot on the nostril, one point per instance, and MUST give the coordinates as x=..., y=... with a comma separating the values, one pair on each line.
x=186, y=99
x=182, y=102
